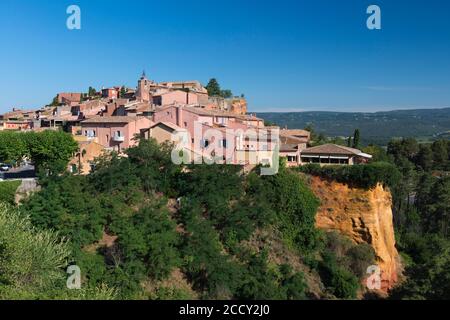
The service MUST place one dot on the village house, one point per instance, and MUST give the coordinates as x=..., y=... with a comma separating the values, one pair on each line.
x=240, y=135
x=175, y=97
x=19, y=119
x=296, y=133
x=114, y=132
x=332, y=154
x=111, y=93
x=83, y=161
x=68, y=97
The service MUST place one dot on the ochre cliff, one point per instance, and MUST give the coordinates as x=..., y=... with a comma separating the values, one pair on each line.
x=365, y=216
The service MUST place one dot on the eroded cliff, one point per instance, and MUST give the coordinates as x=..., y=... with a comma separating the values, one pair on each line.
x=365, y=216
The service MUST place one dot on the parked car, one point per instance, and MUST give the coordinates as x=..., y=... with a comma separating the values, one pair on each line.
x=5, y=167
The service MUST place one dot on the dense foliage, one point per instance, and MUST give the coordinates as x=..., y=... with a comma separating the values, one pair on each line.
x=422, y=216
x=138, y=219
x=344, y=264
x=364, y=176
x=8, y=190
x=33, y=262
x=154, y=230
x=49, y=150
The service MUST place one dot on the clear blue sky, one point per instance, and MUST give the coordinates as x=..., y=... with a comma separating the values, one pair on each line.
x=283, y=55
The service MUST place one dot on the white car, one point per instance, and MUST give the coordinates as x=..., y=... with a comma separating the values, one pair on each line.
x=4, y=167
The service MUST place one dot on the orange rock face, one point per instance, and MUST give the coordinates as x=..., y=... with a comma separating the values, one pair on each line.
x=239, y=106
x=365, y=216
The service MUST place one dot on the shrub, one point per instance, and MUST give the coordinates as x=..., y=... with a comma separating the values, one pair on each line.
x=8, y=191
x=363, y=175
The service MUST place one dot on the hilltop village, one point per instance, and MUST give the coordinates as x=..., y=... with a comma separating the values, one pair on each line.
x=111, y=119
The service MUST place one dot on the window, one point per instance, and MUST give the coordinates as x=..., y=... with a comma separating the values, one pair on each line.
x=185, y=124
x=90, y=133
x=204, y=143
x=223, y=143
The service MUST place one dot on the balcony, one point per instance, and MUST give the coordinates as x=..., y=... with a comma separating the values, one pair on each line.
x=117, y=138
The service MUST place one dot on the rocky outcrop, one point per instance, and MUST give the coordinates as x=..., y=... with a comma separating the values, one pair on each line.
x=365, y=216
x=26, y=188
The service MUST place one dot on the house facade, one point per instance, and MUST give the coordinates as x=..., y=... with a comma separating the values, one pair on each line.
x=332, y=154
x=114, y=132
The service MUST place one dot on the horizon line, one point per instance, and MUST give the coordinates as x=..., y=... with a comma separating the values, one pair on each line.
x=288, y=110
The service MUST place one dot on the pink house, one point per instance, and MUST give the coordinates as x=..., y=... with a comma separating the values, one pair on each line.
x=116, y=132
x=235, y=144
x=177, y=96
x=111, y=93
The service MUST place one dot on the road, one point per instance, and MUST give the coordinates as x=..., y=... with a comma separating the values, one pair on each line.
x=23, y=172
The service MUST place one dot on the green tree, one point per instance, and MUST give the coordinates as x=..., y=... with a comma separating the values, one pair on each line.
x=424, y=158
x=211, y=270
x=33, y=263
x=339, y=281
x=13, y=146
x=55, y=102
x=66, y=204
x=50, y=150
x=294, y=204
x=227, y=94
x=440, y=154
x=213, y=88
x=151, y=239
x=92, y=92
x=356, y=139
x=123, y=92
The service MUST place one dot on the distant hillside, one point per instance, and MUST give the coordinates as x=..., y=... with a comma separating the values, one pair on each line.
x=377, y=127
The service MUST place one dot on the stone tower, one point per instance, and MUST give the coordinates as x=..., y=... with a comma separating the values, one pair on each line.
x=143, y=89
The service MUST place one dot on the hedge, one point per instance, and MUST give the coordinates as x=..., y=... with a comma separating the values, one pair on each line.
x=360, y=175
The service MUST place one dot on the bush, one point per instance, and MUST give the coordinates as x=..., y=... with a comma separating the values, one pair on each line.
x=362, y=175
x=337, y=279
x=151, y=239
x=8, y=191
x=33, y=262
x=66, y=204
x=293, y=204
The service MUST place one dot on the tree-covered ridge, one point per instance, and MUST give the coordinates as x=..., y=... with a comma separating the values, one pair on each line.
x=149, y=229
x=162, y=219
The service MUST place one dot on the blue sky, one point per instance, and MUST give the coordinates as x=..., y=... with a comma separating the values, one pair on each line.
x=283, y=55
